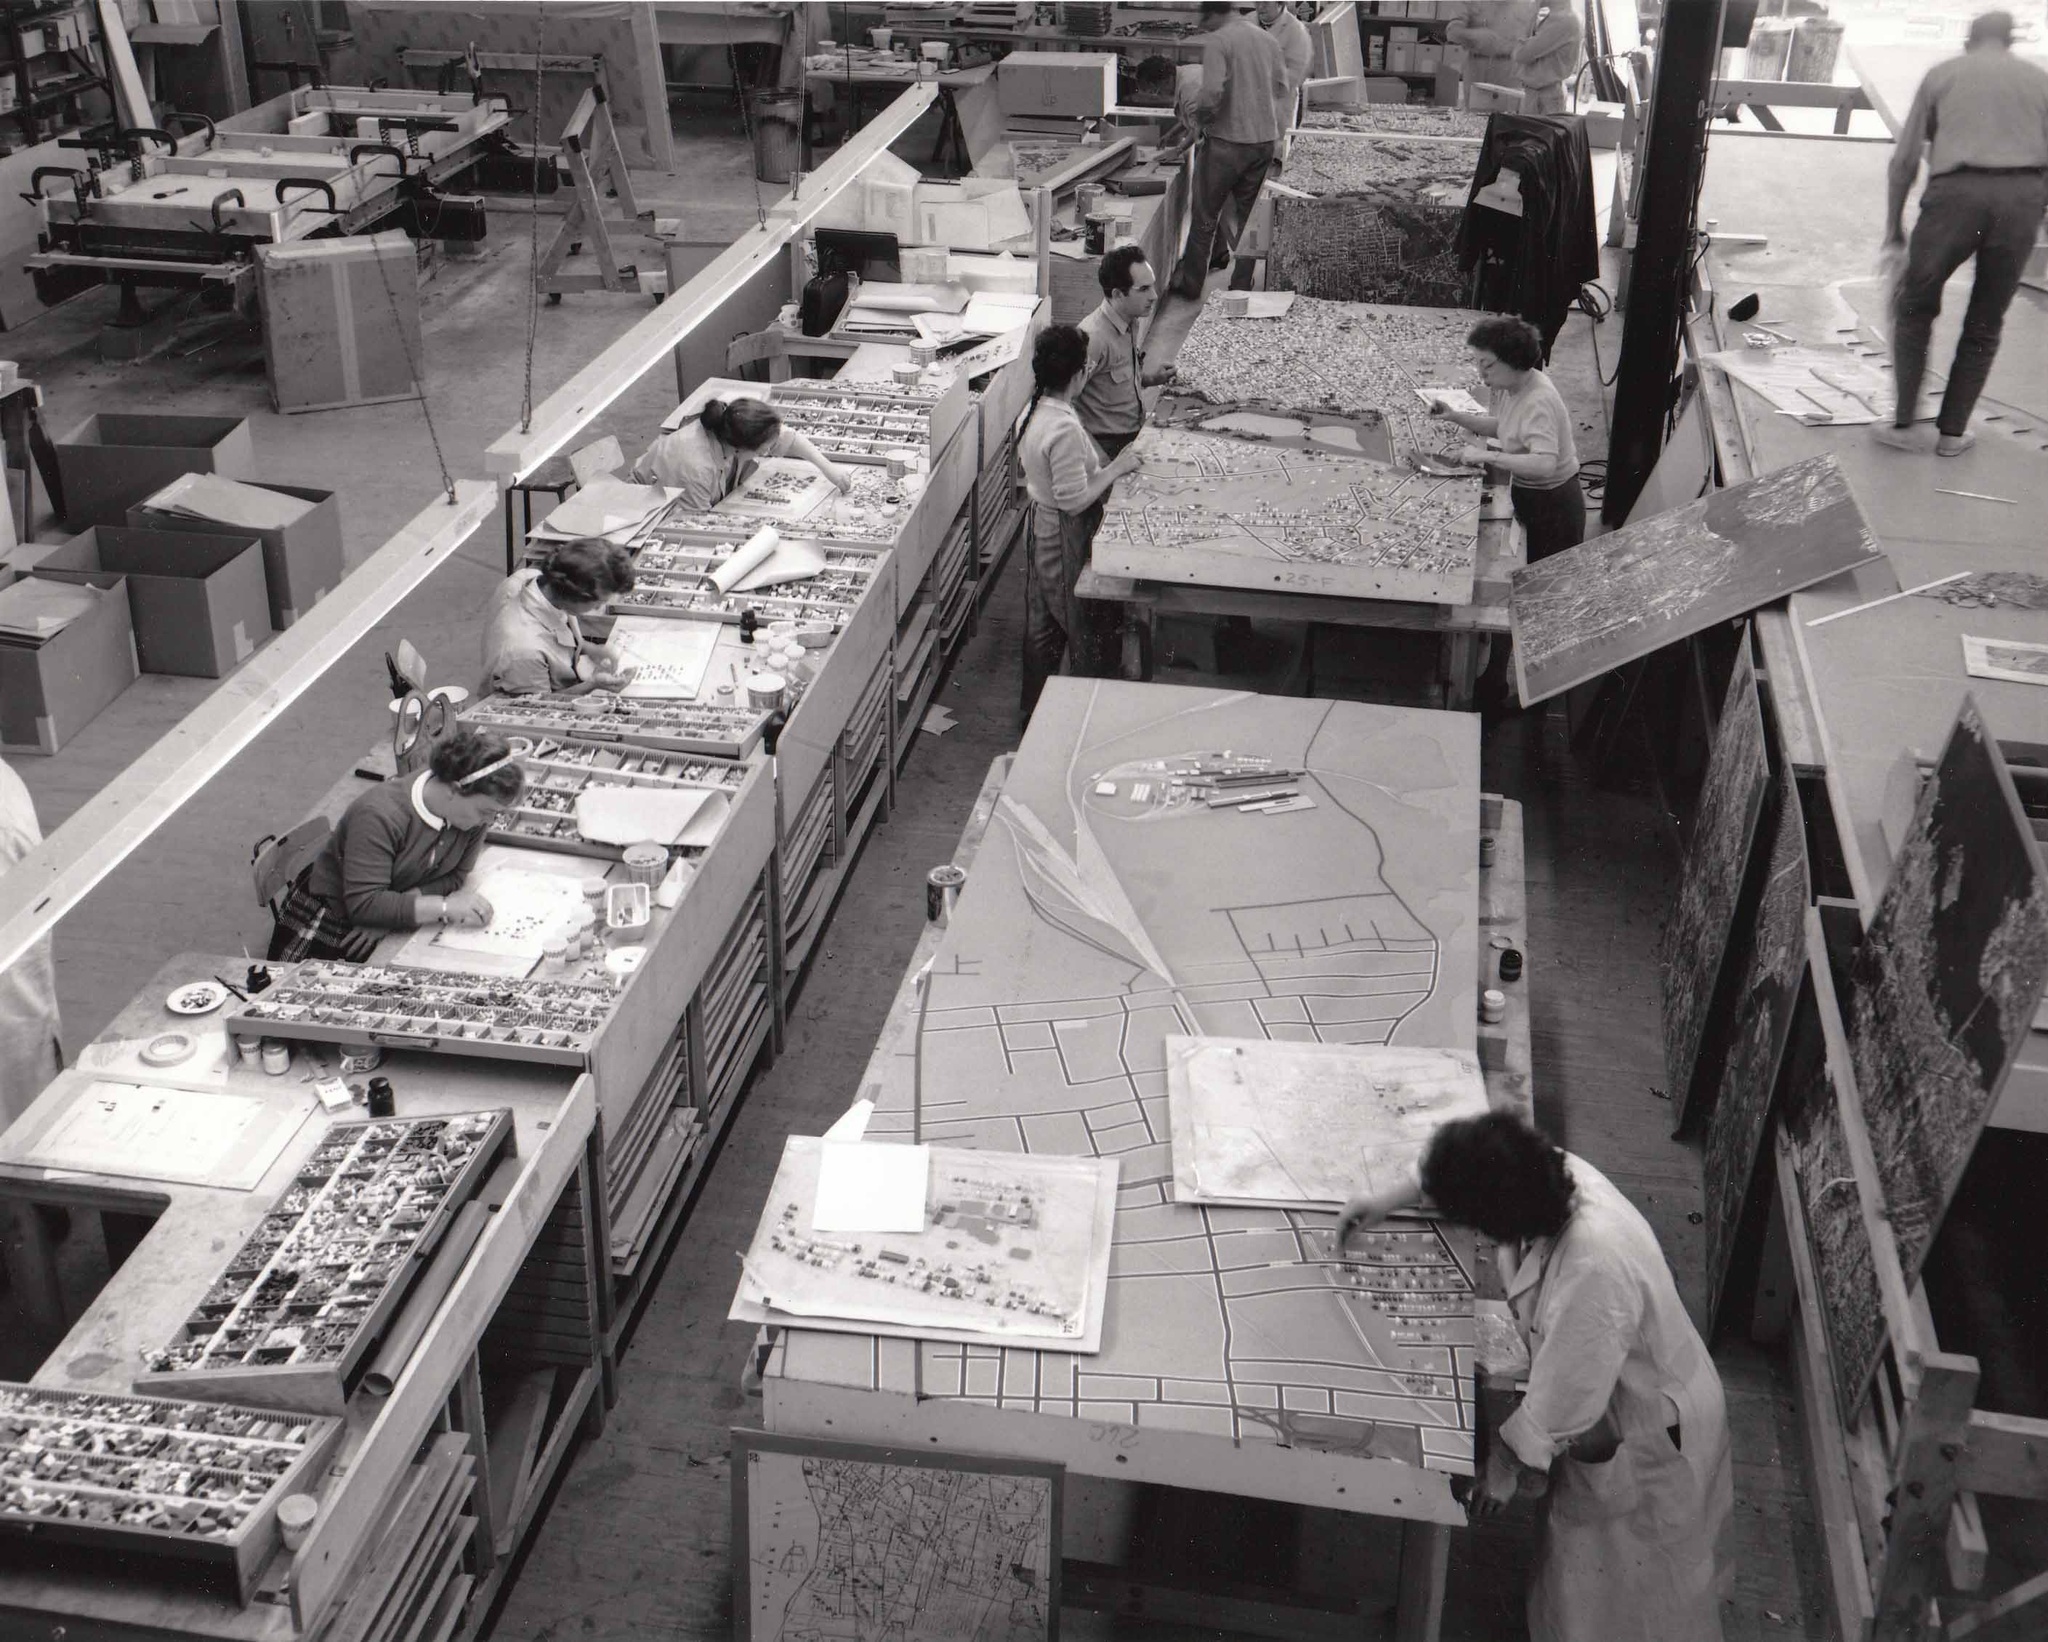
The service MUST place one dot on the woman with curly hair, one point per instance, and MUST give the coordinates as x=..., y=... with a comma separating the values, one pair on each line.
x=533, y=635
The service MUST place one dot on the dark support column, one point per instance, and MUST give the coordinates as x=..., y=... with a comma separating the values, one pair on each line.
x=1688, y=49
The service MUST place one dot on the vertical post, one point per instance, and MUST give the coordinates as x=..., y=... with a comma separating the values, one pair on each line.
x=1687, y=53
x=653, y=87
x=234, y=63
x=469, y=1393
x=1041, y=211
x=1924, y=1472
x=1425, y=1559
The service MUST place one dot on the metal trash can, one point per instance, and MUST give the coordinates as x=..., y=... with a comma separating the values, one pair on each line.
x=778, y=120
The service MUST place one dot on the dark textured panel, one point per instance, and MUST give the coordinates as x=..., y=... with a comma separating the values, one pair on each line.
x=1850, y=1302
x=1586, y=611
x=1363, y=248
x=1723, y=829
x=1773, y=962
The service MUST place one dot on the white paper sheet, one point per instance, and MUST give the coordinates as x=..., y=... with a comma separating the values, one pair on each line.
x=528, y=909
x=751, y=553
x=607, y=507
x=220, y=500
x=790, y=562
x=1818, y=385
x=672, y=656
x=988, y=356
x=635, y=815
x=852, y=1123
x=866, y=1186
x=1457, y=398
x=149, y=1133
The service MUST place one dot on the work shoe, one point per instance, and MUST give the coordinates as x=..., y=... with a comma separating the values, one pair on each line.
x=1895, y=437
x=1954, y=444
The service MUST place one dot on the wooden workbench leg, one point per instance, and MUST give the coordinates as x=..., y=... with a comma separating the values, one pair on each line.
x=1425, y=1558
x=1461, y=671
x=32, y=1269
x=469, y=1396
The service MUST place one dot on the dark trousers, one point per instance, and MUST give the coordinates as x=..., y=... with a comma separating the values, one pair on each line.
x=1226, y=174
x=1058, y=624
x=1992, y=216
x=1551, y=520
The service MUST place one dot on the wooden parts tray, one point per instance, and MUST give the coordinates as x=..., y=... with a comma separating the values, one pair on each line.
x=291, y=1318
x=677, y=726
x=549, y=1023
x=674, y=574
x=558, y=772
x=198, y=1482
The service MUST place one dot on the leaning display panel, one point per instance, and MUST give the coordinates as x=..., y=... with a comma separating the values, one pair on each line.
x=1110, y=908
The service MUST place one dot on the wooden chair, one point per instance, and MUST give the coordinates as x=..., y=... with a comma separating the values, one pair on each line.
x=276, y=862
x=594, y=460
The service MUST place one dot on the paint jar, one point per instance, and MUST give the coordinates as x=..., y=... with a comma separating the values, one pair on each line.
x=588, y=941
x=1486, y=850
x=906, y=375
x=879, y=39
x=941, y=890
x=1234, y=304
x=554, y=958
x=924, y=354
x=295, y=1514
x=593, y=892
x=1511, y=965
x=356, y=1062
x=899, y=465
x=1493, y=1005
x=646, y=863
x=1095, y=234
x=249, y=1050
x=765, y=691
x=277, y=1059
x=381, y=1101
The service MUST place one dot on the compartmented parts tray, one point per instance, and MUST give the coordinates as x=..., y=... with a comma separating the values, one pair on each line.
x=864, y=423
x=199, y=1482
x=677, y=726
x=558, y=772
x=313, y=1287
x=673, y=571
x=871, y=514
x=552, y=1023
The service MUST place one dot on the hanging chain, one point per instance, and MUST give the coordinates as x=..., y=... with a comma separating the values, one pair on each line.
x=413, y=366
x=540, y=40
x=732, y=56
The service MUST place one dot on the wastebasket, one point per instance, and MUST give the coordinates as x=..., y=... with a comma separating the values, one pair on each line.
x=778, y=133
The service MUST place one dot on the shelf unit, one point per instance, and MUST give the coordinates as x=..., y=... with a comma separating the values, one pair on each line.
x=50, y=62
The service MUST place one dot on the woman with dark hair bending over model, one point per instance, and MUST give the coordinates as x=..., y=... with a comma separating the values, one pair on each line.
x=708, y=456
x=533, y=640
x=1064, y=476
x=399, y=856
x=1624, y=1412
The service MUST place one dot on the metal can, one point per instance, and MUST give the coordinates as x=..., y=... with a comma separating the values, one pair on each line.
x=941, y=890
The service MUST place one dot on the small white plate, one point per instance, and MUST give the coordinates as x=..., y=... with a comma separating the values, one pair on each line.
x=200, y=998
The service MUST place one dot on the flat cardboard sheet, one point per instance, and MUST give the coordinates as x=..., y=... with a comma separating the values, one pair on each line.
x=671, y=657
x=37, y=608
x=879, y=1188
x=635, y=815
x=139, y=1132
x=2011, y=659
x=1264, y=1123
x=608, y=507
x=227, y=501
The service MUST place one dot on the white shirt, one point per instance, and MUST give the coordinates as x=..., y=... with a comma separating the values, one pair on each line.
x=29, y=1056
x=697, y=462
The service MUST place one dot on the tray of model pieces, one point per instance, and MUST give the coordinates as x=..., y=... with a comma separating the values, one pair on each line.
x=866, y=423
x=199, y=1482
x=871, y=513
x=558, y=772
x=675, y=726
x=292, y=1318
x=672, y=578
x=488, y=1017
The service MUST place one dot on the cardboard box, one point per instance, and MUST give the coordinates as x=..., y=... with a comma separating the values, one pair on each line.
x=110, y=461
x=199, y=603
x=51, y=691
x=1070, y=84
x=1404, y=34
x=341, y=320
x=1429, y=57
x=301, y=561
x=1400, y=57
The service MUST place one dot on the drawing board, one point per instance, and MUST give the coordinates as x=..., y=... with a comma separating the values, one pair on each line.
x=1258, y=1122
x=1944, y=985
x=147, y=1132
x=1011, y=1247
x=1588, y=610
x=669, y=657
x=1710, y=883
x=1094, y=926
x=847, y=1542
x=1212, y=509
x=535, y=897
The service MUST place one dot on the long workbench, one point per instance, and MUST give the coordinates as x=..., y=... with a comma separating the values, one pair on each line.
x=1030, y=1023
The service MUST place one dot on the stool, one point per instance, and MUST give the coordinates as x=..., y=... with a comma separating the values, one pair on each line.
x=554, y=480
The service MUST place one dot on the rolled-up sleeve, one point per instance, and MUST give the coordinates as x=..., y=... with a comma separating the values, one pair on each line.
x=1585, y=1323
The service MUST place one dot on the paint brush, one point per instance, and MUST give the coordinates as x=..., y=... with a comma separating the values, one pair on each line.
x=230, y=985
x=1889, y=598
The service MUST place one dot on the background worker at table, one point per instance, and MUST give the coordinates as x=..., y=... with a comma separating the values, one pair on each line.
x=1488, y=32
x=1244, y=82
x=1983, y=120
x=534, y=642
x=400, y=855
x=1624, y=1411
x=1296, y=53
x=1547, y=57
x=1065, y=477
x=712, y=452
x=30, y=1055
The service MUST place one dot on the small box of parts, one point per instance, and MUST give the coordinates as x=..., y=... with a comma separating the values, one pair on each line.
x=1067, y=84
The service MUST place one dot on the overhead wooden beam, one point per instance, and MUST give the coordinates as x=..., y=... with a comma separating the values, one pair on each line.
x=585, y=396
x=53, y=878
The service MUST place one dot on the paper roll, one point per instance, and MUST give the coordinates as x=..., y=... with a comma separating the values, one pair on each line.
x=746, y=556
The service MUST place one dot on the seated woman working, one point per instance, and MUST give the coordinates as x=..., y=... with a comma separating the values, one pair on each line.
x=714, y=450
x=400, y=854
x=533, y=642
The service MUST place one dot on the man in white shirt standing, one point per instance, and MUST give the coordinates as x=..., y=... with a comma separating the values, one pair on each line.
x=29, y=1055
x=1296, y=52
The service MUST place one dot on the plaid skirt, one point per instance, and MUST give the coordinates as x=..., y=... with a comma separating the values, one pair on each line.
x=307, y=927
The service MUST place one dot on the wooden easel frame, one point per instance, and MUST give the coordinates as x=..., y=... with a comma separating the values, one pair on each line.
x=590, y=147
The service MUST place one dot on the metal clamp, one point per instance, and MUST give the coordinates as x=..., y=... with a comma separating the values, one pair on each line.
x=221, y=199
x=358, y=150
x=311, y=185
x=212, y=131
x=35, y=192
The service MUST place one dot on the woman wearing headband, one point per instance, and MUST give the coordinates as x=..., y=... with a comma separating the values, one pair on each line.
x=400, y=854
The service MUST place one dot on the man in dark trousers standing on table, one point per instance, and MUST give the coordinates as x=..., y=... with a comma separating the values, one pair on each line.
x=1983, y=119
x=1244, y=84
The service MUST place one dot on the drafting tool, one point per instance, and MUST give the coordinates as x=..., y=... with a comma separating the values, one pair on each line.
x=1976, y=496
x=1889, y=598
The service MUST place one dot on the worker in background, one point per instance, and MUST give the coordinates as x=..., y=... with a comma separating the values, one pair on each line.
x=1547, y=58
x=29, y=1052
x=1065, y=478
x=400, y=854
x=1296, y=53
x=533, y=638
x=1623, y=1423
x=1488, y=32
x=1982, y=119
x=1244, y=82
x=712, y=452
x=1533, y=428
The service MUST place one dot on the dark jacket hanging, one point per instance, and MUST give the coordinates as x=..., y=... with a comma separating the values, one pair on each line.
x=1534, y=264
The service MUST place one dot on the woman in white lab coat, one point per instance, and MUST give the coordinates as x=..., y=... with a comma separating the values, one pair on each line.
x=1623, y=1415
x=29, y=1056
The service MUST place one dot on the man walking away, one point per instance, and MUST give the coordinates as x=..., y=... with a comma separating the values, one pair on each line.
x=1244, y=80
x=1549, y=57
x=1983, y=120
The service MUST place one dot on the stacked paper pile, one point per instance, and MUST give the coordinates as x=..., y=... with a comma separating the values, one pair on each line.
x=218, y=500
x=608, y=508
x=38, y=610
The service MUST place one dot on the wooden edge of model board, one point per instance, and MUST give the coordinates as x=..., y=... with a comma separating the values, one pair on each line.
x=61, y=871
x=1860, y=886
x=353, y=1513
x=578, y=402
x=1086, y=164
